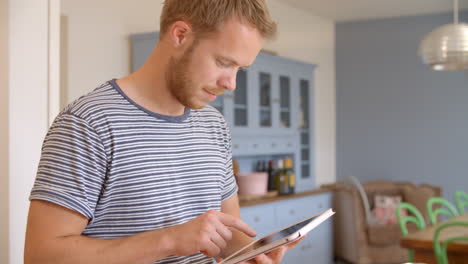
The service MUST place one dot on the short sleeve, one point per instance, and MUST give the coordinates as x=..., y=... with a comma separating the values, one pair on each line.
x=230, y=186
x=72, y=167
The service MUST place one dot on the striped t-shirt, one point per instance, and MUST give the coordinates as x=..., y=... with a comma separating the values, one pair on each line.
x=130, y=170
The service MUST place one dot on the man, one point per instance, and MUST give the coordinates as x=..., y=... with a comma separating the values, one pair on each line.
x=139, y=170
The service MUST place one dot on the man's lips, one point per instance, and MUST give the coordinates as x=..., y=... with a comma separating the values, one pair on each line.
x=211, y=95
x=214, y=93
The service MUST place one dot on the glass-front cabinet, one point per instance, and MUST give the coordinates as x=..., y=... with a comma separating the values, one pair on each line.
x=278, y=96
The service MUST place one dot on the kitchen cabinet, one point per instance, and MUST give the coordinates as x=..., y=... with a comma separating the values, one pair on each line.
x=317, y=246
x=269, y=113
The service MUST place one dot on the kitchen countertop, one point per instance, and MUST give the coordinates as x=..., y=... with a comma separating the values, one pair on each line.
x=263, y=200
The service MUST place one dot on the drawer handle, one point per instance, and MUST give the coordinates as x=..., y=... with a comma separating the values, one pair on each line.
x=273, y=144
x=257, y=219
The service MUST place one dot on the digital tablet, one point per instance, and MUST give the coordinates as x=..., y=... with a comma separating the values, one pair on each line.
x=278, y=238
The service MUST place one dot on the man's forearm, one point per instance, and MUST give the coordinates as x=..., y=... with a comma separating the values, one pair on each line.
x=142, y=248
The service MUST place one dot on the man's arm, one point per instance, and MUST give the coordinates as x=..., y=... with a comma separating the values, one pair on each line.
x=54, y=236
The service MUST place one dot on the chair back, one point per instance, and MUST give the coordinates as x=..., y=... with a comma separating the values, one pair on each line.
x=413, y=216
x=446, y=208
x=461, y=200
x=440, y=247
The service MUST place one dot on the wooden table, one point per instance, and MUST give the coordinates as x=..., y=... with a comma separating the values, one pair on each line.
x=421, y=243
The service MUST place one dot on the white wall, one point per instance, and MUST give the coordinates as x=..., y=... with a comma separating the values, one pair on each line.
x=3, y=132
x=98, y=49
x=27, y=111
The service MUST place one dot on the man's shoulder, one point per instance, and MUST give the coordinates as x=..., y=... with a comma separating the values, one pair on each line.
x=93, y=104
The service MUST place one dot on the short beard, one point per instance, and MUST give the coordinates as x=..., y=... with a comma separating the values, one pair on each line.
x=178, y=80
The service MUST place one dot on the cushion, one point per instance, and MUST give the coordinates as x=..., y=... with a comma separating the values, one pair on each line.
x=384, y=211
x=374, y=188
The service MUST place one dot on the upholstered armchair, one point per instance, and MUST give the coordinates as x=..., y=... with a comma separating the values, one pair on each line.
x=358, y=238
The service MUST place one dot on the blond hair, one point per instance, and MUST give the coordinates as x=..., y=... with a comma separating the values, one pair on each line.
x=205, y=16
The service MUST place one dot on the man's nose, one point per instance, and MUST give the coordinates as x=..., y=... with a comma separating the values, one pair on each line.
x=228, y=82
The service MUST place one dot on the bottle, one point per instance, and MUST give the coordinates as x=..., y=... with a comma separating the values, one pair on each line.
x=282, y=182
x=271, y=176
x=259, y=167
x=288, y=165
x=277, y=172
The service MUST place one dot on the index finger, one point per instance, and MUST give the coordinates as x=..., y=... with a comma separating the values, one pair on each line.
x=234, y=222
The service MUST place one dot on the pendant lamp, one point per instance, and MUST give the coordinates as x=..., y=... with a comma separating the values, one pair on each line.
x=446, y=47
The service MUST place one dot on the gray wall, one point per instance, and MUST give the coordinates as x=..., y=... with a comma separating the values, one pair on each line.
x=396, y=119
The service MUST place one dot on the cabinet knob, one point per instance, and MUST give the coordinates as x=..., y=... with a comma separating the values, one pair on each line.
x=236, y=146
x=257, y=219
x=273, y=145
x=289, y=144
x=255, y=145
x=292, y=212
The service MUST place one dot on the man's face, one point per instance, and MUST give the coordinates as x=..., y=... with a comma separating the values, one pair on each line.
x=208, y=67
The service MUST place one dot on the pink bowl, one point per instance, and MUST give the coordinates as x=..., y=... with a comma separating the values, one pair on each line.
x=253, y=183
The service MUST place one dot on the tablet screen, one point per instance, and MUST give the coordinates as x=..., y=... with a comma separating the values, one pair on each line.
x=275, y=236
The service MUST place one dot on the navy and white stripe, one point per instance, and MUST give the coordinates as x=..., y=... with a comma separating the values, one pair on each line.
x=130, y=170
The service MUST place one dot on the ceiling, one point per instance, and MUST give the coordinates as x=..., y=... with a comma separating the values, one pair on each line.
x=347, y=10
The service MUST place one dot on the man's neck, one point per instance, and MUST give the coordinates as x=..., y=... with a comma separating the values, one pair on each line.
x=148, y=87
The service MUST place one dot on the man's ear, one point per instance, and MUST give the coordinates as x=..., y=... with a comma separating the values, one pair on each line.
x=180, y=33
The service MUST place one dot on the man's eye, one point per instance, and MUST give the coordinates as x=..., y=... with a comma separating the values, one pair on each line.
x=222, y=64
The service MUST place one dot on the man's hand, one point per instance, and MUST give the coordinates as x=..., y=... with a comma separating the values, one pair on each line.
x=273, y=257
x=208, y=233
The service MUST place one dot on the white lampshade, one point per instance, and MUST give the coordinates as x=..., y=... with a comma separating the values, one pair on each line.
x=446, y=48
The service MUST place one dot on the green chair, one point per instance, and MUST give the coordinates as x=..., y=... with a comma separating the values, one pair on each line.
x=449, y=210
x=461, y=199
x=415, y=218
x=440, y=248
